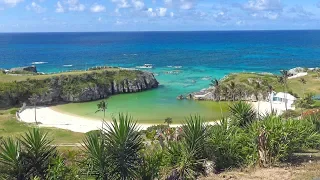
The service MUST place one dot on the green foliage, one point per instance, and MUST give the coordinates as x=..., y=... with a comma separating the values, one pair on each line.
x=151, y=163
x=284, y=137
x=180, y=163
x=58, y=170
x=230, y=146
x=97, y=152
x=290, y=114
x=124, y=143
x=27, y=157
x=307, y=101
x=242, y=113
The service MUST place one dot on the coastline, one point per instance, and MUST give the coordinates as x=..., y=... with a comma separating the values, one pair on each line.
x=48, y=117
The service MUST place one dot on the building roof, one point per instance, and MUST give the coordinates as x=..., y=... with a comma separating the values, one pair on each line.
x=285, y=96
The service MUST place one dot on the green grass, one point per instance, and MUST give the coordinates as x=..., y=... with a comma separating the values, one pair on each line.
x=10, y=127
x=312, y=86
x=24, y=77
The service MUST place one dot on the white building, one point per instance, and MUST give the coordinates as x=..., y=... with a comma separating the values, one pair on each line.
x=281, y=98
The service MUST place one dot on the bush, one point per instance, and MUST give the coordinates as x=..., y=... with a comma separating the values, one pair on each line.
x=290, y=114
x=231, y=146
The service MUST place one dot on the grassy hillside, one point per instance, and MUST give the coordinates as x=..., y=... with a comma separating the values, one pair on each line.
x=312, y=85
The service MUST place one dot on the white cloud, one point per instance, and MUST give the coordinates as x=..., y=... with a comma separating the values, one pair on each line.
x=11, y=3
x=300, y=11
x=181, y=4
x=59, y=7
x=118, y=22
x=121, y=3
x=74, y=5
x=171, y=14
x=96, y=8
x=71, y=5
x=160, y=12
x=138, y=4
x=240, y=23
x=271, y=15
x=35, y=7
x=263, y=5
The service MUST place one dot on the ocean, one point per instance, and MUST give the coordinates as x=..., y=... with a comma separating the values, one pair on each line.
x=201, y=55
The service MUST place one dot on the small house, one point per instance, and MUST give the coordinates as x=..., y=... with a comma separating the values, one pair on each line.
x=282, y=97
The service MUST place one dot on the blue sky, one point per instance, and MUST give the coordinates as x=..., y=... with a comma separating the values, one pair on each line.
x=157, y=15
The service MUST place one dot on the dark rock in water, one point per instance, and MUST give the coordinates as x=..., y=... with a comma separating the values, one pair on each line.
x=32, y=69
x=180, y=97
x=76, y=88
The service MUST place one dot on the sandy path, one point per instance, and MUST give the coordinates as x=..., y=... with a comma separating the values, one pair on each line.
x=51, y=118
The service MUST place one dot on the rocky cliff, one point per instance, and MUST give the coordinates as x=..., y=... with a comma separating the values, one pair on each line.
x=75, y=88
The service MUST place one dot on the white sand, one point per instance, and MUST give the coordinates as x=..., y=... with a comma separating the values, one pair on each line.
x=51, y=118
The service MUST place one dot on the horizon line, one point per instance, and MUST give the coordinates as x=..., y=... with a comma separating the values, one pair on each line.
x=161, y=31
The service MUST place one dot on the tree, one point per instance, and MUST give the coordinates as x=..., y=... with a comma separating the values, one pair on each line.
x=303, y=82
x=102, y=106
x=34, y=99
x=232, y=90
x=257, y=91
x=284, y=81
x=217, y=90
x=168, y=120
x=270, y=92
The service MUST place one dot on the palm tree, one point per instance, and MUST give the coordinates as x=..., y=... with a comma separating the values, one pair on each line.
x=168, y=120
x=270, y=91
x=124, y=143
x=284, y=81
x=102, y=106
x=257, y=91
x=232, y=90
x=34, y=99
x=303, y=82
x=216, y=84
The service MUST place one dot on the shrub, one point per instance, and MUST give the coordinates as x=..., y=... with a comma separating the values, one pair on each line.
x=290, y=114
x=230, y=146
x=242, y=114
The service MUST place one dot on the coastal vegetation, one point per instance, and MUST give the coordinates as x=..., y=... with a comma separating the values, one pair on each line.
x=193, y=150
x=72, y=86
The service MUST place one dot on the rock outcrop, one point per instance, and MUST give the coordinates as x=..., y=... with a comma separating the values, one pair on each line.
x=76, y=88
x=30, y=69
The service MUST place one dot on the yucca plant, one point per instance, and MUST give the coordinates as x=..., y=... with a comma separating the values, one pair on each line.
x=194, y=133
x=242, y=113
x=230, y=146
x=179, y=162
x=96, y=149
x=10, y=159
x=124, y=143
x=38, y=152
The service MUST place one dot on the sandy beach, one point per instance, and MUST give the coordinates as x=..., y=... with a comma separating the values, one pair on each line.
x=47, y=117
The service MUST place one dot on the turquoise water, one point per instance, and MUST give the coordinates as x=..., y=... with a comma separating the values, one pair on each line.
x=202, y=55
